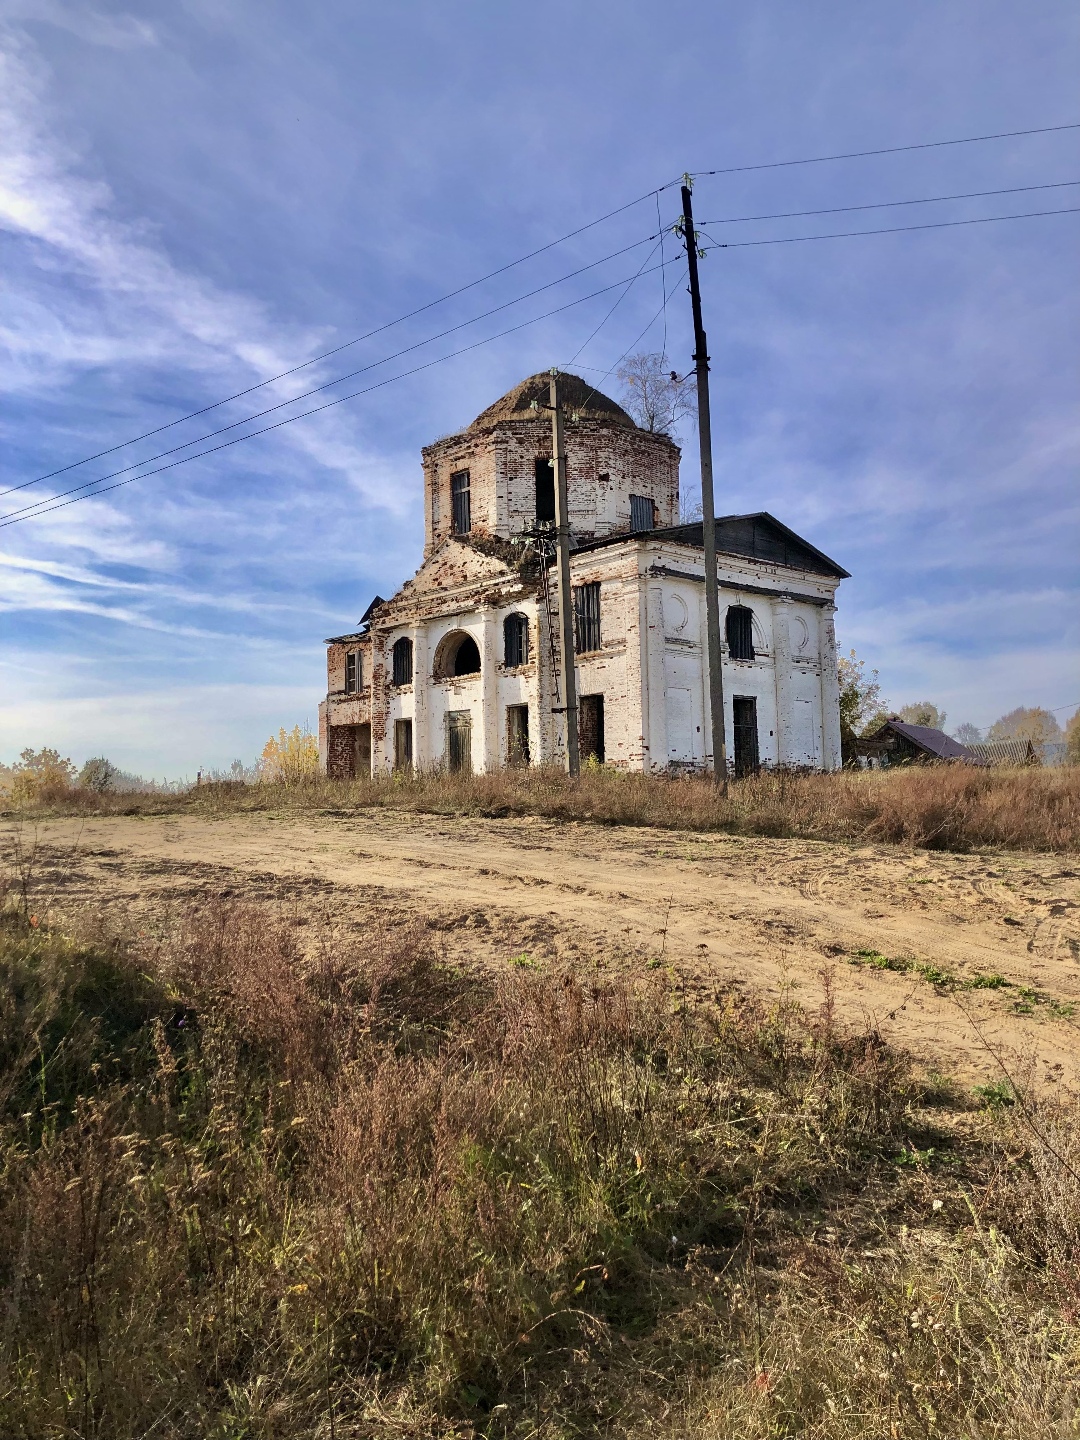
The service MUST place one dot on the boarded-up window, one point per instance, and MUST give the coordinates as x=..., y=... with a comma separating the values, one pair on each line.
x=402, y=658
x=642, y=513
x=461, y=502
x=515, y=640
x=459, y=741
x=403, y=749
x=545, y=491
x=744, y=715
x=587, y=617
x=740, y=632
x=354, y=672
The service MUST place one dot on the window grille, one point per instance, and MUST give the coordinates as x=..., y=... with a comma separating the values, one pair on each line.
x=642, y=513
x=461, y=503
x=516, y=640
x=740, y=632
x=354, y=672
x=402, y=656
x=587, y=617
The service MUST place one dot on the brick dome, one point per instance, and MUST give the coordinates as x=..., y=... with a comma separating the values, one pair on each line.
x=576, y=395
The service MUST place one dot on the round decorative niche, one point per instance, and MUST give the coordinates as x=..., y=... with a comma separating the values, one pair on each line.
x=457, y=655
x=800, y=634
x=677, y=615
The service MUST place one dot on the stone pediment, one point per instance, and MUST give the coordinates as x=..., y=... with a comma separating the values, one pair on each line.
x=455, y=565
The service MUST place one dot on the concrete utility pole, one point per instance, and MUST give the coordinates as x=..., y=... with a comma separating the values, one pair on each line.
x=566, y=599
x=708, y=506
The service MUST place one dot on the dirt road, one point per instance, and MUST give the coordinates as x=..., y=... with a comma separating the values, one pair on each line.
x=716, y=909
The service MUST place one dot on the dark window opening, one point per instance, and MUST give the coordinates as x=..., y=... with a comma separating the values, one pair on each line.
x=642, y=513
x=354, y=672
x=402, y=657
x=591, y=727
x=587, y=617
x=403, y=752
x=361, y=751
x=460, y=503
x=744, y=715
x=459, y=741
x=545, y=491
x=517, y=735
x=740, y=632
x=467, y=659
x=515, y=640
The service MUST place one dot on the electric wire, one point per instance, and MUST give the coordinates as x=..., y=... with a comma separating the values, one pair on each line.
x=44, y=507
x=340, y=379
x=636, y=341
x=379, y=329
x=889, y=204
x=630, y=285
x=663, y=283
x=889, y=230
x=59, y=502
x=532, y=254
x=889, y=150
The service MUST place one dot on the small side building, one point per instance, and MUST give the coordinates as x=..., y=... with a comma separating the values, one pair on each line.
x=461, y=667
x=897, y=743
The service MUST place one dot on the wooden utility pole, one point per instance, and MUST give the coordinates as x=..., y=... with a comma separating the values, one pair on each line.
x=708, y=505
x=566, y=599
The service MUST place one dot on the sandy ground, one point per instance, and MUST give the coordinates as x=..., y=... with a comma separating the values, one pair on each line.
x=715, y=909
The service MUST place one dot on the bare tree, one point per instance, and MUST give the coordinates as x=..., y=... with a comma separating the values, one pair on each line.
x=656, y=397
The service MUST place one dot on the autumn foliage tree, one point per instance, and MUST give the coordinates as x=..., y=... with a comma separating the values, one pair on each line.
x=1026, y=723
x=861, y=706
x=290, y=758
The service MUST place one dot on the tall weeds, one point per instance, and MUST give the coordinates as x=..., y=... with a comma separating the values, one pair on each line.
x=946, y=807
x=246, y=1191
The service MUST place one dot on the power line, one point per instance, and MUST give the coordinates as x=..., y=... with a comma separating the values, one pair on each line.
x=389, y=325
x=532, y=254
x=889, y=204
x=889, y=150
x=890, y=230
x=340, y=379
x=585, y=343
x=44, y=507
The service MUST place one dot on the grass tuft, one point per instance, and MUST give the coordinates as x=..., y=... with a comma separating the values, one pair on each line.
x=248, y=1190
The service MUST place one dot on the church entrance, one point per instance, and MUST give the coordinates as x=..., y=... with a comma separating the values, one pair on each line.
x=744, y=708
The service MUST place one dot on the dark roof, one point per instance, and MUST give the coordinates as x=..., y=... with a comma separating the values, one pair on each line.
x=366, y=616
x=575, y=395
x=924, y=737
x=760, y=536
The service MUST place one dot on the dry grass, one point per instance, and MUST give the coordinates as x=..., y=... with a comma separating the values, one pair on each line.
x=251, y=1192
x=944, y=807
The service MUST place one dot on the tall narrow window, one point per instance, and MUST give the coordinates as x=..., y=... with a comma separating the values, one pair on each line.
x=744, y=714
x=740, y=632
x=462, y=506
x=545, y=491
x=402, y=658
x=587, y=617
x=403, y=746
x=642, y=513
x=515, y=640
x=354, y=672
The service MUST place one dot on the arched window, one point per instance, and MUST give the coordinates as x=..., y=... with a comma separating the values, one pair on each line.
x=516, y=640
x=456, y=654
x=402, y=655
x=467, y=659
x=740, y=632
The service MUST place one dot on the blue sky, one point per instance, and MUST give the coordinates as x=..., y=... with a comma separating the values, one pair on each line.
x=198, y=195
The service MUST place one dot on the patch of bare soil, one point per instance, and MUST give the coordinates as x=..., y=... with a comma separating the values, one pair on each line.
x=967, y=960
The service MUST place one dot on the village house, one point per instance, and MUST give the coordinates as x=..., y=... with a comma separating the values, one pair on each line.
x=461, y=668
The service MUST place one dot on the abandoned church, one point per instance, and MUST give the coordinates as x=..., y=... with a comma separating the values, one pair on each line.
x=461, y=668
